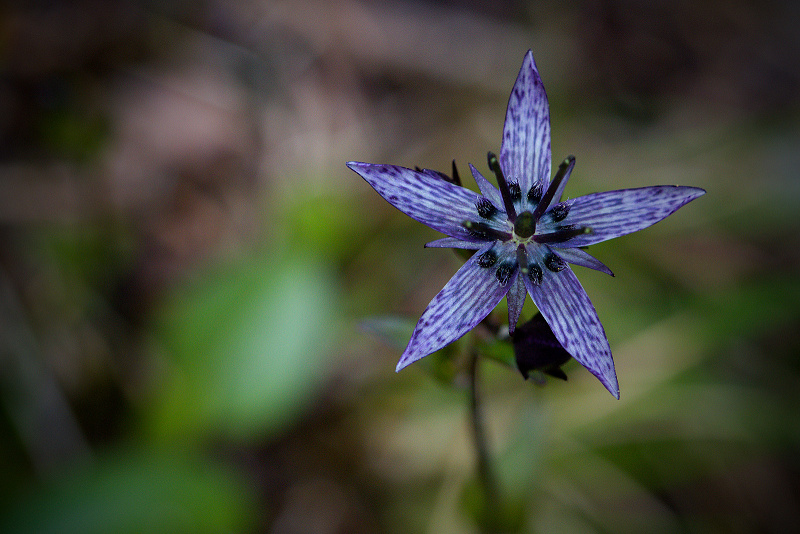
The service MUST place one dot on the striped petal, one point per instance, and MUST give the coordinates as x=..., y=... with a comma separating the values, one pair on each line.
x=423, y=197
x=563, y=302
x=487, y=189
x=516, y=300
x=580, y=257
x=617, y=213
x=452, y=242
x=465, y=300
x=525, y=150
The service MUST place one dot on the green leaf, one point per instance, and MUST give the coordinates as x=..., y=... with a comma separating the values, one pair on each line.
x=250, y=344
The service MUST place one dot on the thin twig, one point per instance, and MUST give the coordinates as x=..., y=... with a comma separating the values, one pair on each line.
x=485, y=473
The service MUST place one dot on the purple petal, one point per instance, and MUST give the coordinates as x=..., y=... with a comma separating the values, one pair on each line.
x=487, y=189
x=515, y=299
x=425, y=198
x=525, y=150
x=580, y=257
x=453, y=242
x=617, y=213
x=565, y=305
x=465, y=300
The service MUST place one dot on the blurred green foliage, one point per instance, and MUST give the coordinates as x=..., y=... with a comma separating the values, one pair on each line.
x=251, y=346
x=128, y=490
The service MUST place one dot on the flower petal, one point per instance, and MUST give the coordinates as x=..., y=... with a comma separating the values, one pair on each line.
x=525, y=150
x=465, y=300
x=423, y=197
x=515, y=299
x=580, y=257
x=565, y=305
x=616, y=213
x=487, y=189
x=453, y=242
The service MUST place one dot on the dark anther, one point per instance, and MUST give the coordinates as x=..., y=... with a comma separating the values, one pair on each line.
x=562, y=233
x=535, y=274
x=487, y=259
x=484, y=232
x=560, y=211
x=535, y=194
x=485, y=208
x=554, y=263
x=516, y=192
x=508, y=200
x=504, y=272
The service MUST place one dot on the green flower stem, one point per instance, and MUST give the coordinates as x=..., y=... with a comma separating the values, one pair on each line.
x=485, y=474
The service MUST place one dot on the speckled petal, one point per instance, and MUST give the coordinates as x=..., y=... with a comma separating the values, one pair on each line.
x=525, y=150
x=580, y=257
x=465, y=300
x=452, y=242
x=515, y=299
x=616, y=213
x=423, y=197
x=565, y=305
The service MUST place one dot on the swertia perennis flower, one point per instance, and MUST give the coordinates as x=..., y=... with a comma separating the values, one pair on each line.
x=523, y=234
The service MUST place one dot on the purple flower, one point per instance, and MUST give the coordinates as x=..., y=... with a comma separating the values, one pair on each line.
x=523, y=234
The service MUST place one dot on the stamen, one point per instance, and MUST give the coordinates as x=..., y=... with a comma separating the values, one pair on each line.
x=522, y=259
x=525, y=225
x=554, y=263
x=535, y=274
x=484, y=232
x=505, y=192
x=504, y=272
x=485, y=208
x=487, y=259
x=563, y=171
x=516, y=192
x=560, y=211
x=535, y=194
x=563, y=233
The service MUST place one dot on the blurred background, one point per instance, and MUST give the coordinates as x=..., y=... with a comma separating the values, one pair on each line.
x=186, y=266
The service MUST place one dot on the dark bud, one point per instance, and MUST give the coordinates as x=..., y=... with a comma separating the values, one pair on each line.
x=537, y=349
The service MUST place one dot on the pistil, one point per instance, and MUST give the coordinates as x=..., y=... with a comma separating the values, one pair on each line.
x=564, y=171
x=562, y=234
x=502, y=184
x=525, y=225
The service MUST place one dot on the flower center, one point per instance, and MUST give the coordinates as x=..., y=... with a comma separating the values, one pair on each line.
x=525, y=225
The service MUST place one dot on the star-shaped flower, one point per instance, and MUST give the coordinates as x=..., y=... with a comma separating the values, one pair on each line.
x=524, y=236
